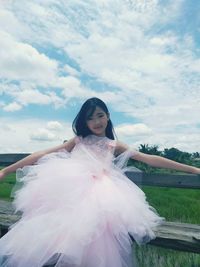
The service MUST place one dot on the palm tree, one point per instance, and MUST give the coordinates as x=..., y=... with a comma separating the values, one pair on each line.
x=153, y=150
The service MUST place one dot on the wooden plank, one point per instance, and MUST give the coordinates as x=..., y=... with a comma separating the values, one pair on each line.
x=166, y=180
x=178, y=236
x=6, y=207
x=7, y=216
x=171, y=235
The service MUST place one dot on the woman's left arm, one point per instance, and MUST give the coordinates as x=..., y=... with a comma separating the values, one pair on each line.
x=157, y=161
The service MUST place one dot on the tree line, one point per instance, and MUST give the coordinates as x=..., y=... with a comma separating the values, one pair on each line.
x=169, y=153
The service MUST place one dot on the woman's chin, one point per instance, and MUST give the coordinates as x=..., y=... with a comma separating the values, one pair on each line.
x=98, y=132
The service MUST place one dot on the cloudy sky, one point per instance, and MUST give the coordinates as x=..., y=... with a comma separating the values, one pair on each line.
x=140, y=56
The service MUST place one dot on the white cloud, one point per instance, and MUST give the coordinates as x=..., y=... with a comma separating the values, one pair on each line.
x=72, y=87
x=54, y=125
x=71, y=71
x=133, y=129
x=12, y=107
x=69, y=84
x=43, y=135
x=21, y=61
x=168, y=39
x=153, y=70
x=30, y=135
x=26, y=93
x=32, y=96
x=10, y=23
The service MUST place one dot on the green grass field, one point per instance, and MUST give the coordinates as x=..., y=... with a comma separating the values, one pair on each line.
x=181, y=205
x=6, y=186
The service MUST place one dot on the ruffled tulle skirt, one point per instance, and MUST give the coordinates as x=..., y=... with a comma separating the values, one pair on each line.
x=76, y=214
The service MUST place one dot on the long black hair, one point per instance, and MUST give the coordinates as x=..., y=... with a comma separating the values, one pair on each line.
x=79, y=125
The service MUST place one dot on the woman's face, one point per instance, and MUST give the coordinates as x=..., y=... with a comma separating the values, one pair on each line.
x=98, y=122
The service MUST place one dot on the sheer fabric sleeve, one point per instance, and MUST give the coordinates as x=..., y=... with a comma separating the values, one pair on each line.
x=78, y=139
x=112, y=144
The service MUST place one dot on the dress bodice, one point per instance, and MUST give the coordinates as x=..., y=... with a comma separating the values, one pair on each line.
x=97, y=144
x=98, y=150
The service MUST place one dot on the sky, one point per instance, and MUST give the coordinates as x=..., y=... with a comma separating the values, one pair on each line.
x=142, y=57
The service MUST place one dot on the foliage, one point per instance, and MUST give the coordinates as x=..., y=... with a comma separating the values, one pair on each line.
x=177, y=155
x=153, y=150
x=170, y=153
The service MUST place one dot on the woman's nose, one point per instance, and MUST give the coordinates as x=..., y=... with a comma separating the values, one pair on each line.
x=96, y=121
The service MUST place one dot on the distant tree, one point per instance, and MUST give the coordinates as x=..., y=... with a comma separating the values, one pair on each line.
x=195, y=155
x=186, y=157
x=170, y=153
x=145, y=148
x=153, y=150
x=177, y=155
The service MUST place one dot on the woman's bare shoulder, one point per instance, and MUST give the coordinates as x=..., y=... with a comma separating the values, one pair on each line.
x=120, y=147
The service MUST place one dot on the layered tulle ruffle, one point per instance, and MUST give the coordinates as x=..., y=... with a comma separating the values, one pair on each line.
x=79, y=209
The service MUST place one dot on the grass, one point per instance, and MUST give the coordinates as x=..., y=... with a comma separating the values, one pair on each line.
x=6, y=187
x=151, y=256
x=181, y=205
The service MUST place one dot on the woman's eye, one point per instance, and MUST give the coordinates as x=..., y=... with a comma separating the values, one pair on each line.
x=97, y=117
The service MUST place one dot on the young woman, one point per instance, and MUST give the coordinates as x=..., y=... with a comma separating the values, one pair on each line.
x=78, y=207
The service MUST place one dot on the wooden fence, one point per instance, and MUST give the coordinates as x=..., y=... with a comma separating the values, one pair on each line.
x=173, y=235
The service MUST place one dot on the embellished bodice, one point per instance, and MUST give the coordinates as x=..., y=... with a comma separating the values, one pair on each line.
x=95, y=152
x=97, y=143
x=98, y=152
x=101, y=148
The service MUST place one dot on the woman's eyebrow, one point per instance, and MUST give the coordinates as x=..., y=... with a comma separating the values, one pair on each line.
x=99, y=113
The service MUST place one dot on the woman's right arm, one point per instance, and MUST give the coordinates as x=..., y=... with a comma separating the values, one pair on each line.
x=31, y=159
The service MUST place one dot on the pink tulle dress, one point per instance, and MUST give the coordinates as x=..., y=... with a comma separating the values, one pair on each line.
x=78, y=209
